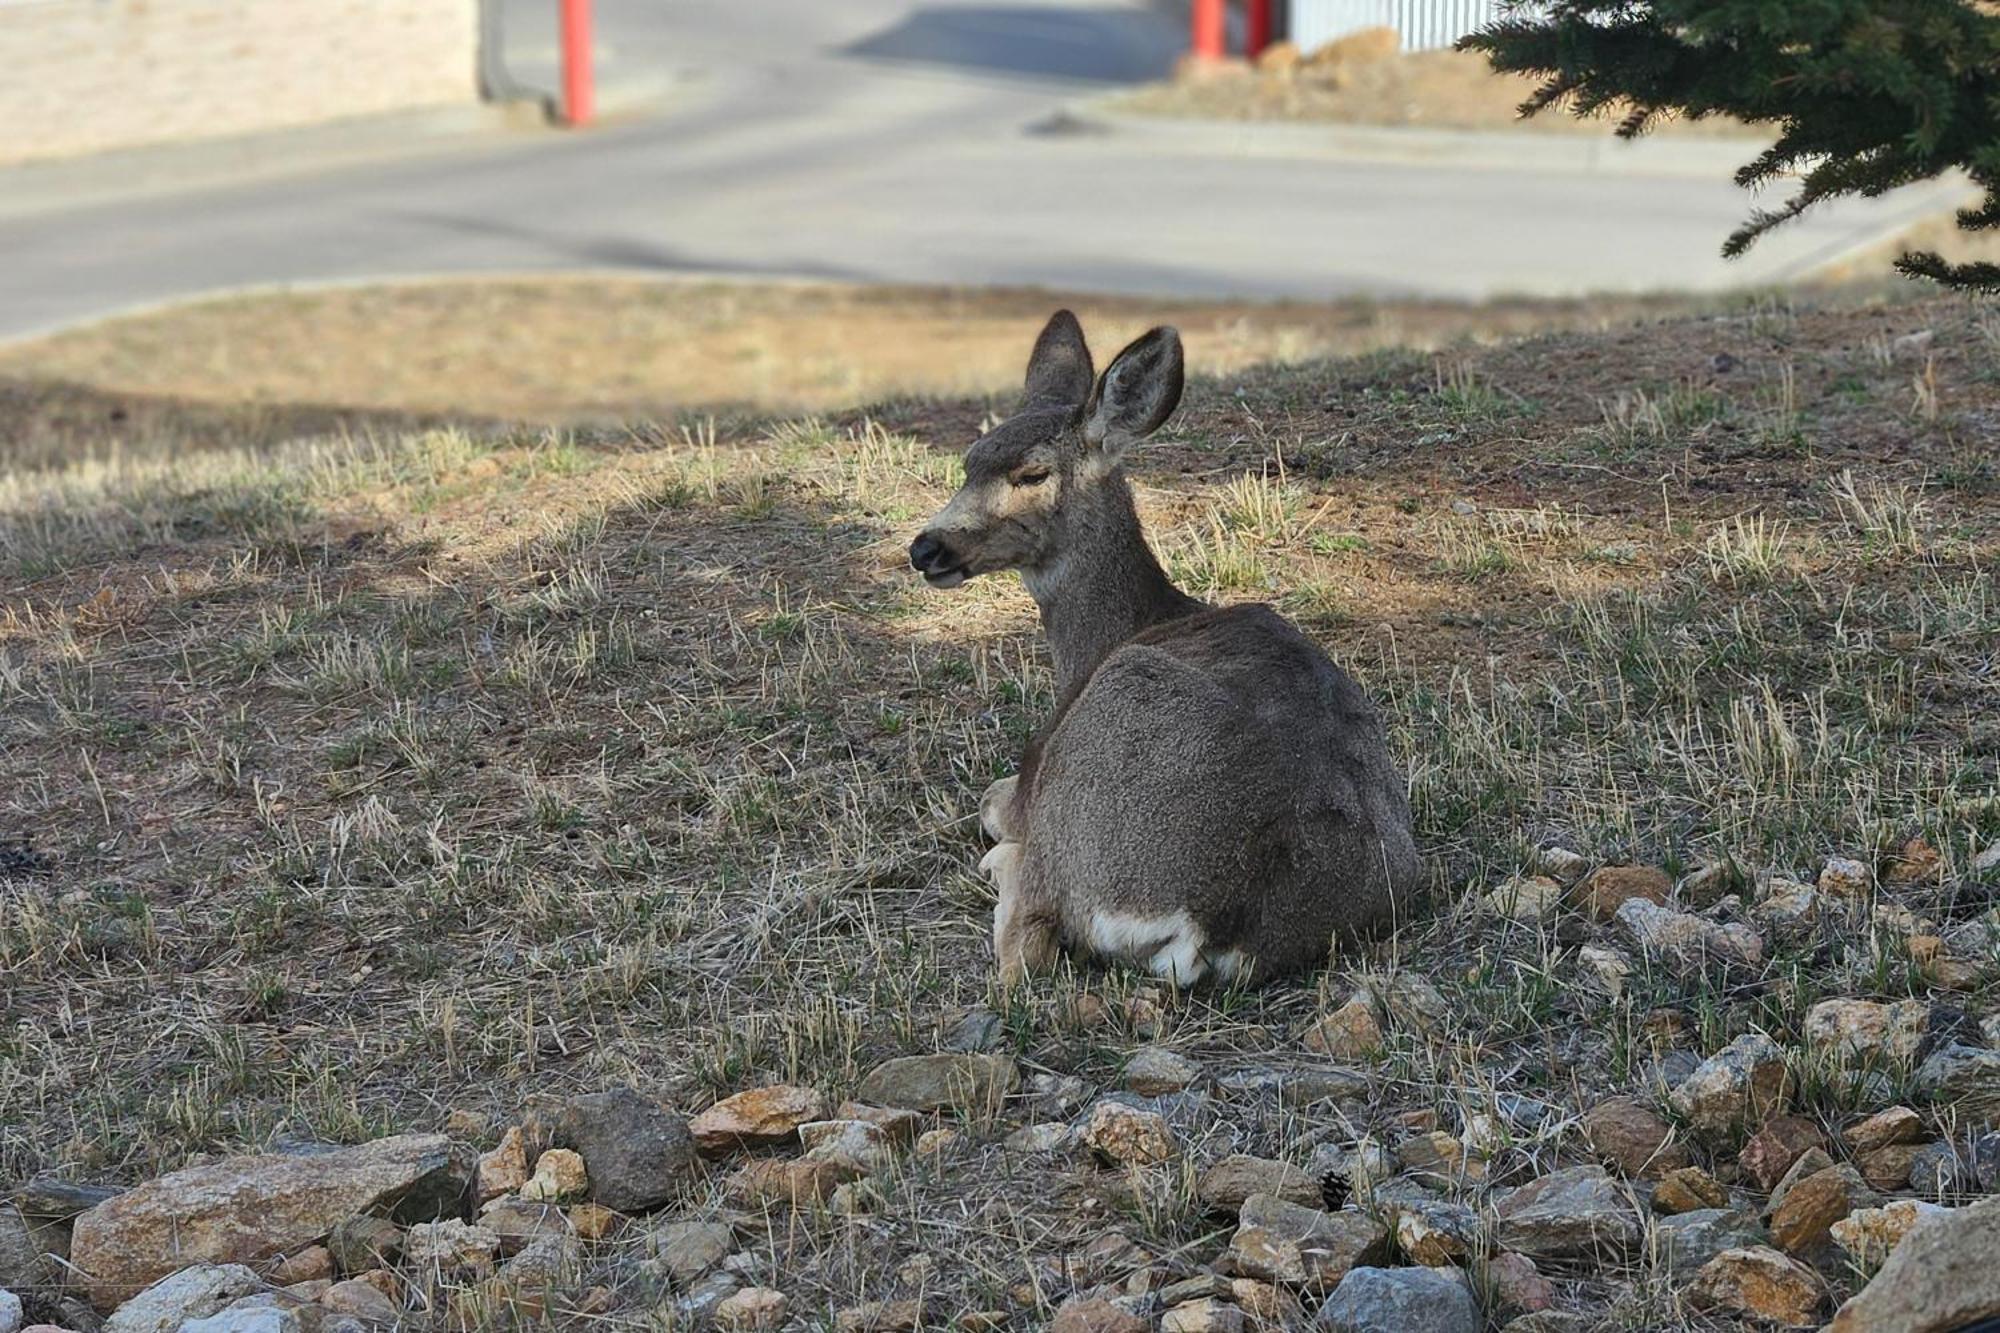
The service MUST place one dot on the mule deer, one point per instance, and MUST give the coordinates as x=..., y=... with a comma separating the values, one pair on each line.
x=1213, y=797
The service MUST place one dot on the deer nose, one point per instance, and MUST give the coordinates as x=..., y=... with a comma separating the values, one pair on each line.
x=928, y=553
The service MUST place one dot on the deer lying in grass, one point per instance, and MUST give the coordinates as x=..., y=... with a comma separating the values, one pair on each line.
x=1213, y=798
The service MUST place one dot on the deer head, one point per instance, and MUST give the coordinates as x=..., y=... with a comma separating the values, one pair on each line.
x=1035, y=484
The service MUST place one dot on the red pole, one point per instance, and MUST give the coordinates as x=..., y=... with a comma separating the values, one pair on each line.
x=1208, y=42
x=1257, y=33
x=579, y=88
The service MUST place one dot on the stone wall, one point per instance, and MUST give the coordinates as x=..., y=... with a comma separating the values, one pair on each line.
x=81, y=76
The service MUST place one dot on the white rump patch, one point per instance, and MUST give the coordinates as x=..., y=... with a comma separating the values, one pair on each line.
x=1169, y=947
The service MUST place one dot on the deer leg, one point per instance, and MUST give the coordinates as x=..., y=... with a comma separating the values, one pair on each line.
x=996, y=811
x=1024, y=933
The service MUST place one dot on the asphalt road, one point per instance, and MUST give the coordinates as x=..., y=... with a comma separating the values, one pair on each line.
x=882, y=140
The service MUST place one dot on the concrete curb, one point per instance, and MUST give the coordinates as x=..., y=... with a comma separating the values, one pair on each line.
x=1474, y=150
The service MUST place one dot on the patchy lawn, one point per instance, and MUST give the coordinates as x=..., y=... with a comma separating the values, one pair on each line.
x=350, y=780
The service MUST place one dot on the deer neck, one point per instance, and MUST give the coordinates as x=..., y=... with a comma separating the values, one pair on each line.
x=1103, y=588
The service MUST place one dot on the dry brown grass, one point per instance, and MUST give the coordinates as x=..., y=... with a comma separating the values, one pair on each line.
x=362, y=777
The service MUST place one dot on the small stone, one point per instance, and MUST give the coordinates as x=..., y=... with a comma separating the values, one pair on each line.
x=593, y=1221
x=1269, y=1304
x=1898, y=1124
x=520, y=1222
x=1686, y=940
x=1276, y=1241
x=1709, y=883
x=1631, y=1137
x=1094, y=1314
x=956, y=1082
x=856, y=1145
x=1207, y=1315
x=1518, y=1286
x=1224, y=1187
x=1409, y=1000
x=1610, y=886
x=1867, y=1235
x=1399, y=1300
x=1865, y=1032
x=1526, y=899
x=191, y=1293
x=1687, y=1241
x=752, y=1308
x=361, y=1300
x=12, y=1315
x=1789, y=911
x=1772, y=1150
x=361, y=1243
x=1187, y=1289
x=1686, y=1190
x=1127, y=1135
x=770, y=1182
x=638, y=1154
x=1888, y=1167
x=1758, y=1283
x=1562, y=865
x=1986, y=1161
x=1433, y=1232
x=1842, y=878
x=1802, y=1223
x=1440, y=1155
x=1348, y=1033
x=451, y=1248
x=1049, y=1136
x=1607, y=968
x=1966, y=1078
x=560, y=1177
x=936, y=1142
x=902, y=1127
x=1942, y=1276
x=313, y=1263
x=1155, y=1071
x=504, y=1169
x=246, y=1319
x=699, y=1303
x=1936, y=1169
x=880, y=1317
x=1742, y=1083
x=1576, y=1212
x=1914, y=862
x=756, y=1118
x=975, y=1030
x=690, y=1251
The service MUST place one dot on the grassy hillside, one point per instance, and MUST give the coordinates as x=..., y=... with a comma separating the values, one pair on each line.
x=351, y=779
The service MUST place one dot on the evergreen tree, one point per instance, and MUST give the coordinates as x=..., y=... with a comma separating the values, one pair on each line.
x=1866, y=95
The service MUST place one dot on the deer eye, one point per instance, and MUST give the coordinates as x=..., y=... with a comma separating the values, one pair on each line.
x=1031, y=476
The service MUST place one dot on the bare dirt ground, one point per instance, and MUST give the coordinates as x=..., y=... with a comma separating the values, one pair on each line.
x=366, y=768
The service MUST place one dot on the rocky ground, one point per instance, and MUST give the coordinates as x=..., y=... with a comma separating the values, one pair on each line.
x=476, y=877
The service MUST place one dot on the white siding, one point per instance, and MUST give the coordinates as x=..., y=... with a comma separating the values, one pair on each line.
x=1425, y=25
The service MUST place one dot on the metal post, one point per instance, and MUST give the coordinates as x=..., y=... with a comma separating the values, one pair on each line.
x=1207, y=39
x=579, y=87
x=1257, y=31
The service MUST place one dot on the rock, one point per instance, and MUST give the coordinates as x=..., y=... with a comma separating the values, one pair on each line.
x=1409, y=1000
x=1709, y=883
x=1401, y=1300
x=593, y=1221
x=773, y=1182
x=1772, y=1150
x=936, y=1142
x=1937, y=1169
x=361, y=1300
x=520, y=1222
x=697, y=1306
x=690, y=1251
x=1888, y=1167
x=1348, y=1033
x=451, y=1248
x=12, y=1315
x=756, y=1118
x=1689, y=1240
x=1224, y=1187
x=1191, y=1288
x=1811, y=1162
x=1609, y=887
x=638, y=1155
x=1518, y=1286
x=1966, y=1078
x=243, y=1210
x=751, y=1308
x=1898, y=1124
x=975, y=1030
x=1439, y=1155
x=1863, y=1031
x=505, y=1168
x=855, y=1145
x=1206, y=1315
x=192, y=1293
x=49, y=1199
x=1867, y=1235
x=1742, y=1083
x=1687, y=1190
x=971, y=1083
x=1986, y=1161
x=1789, y=911
x=1801, y=1225
x=1155, y=1071
x=1562, y=865
x=560, y=1177
x=361, y=1243
x=902, y=1127
x=1270, y=1305
x=1685, y=940
x=1631, y=1137
x=880, y=1317
x=1942, y=1276
x=1094, y=1314
x=1127, y=1135
x=1758, y=1283
x=1842, y=878
x=24, y=1265
x=1572, y=1213
x=1049, y=1136
x=1607, y=968
x=1276, y=1241
x=1988, y=859
x=1552, y=1321
x=1914, y=862
x=1433, y=1232
x=1525, y=899
x=251, y=1319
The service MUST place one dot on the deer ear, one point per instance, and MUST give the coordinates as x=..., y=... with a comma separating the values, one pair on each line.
x=1139, y=391
x=1059, y=367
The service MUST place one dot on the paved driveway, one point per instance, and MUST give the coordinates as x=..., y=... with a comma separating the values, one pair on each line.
x=882, y=140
